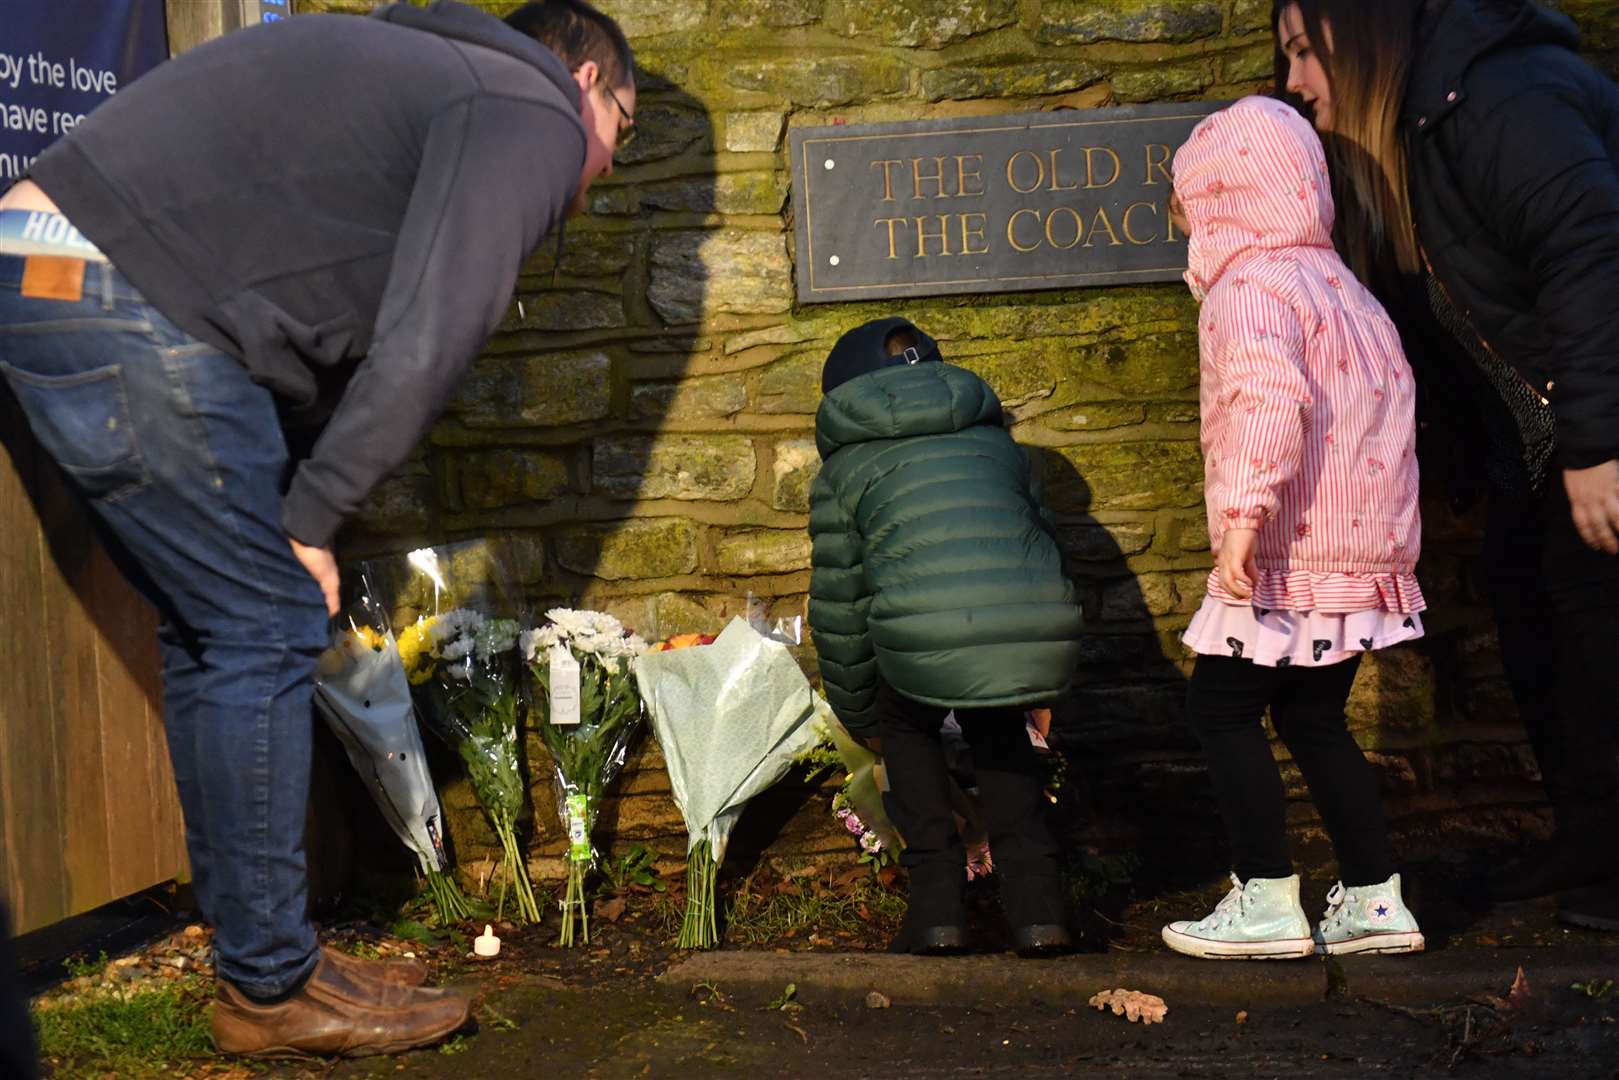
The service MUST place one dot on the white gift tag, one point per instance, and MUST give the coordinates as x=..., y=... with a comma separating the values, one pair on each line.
x=564, y=687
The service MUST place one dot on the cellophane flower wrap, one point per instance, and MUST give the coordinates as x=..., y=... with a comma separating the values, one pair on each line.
x=587, y=709
x=858, y=805
x=732, y=718
x=463, y=669
x=362, y=692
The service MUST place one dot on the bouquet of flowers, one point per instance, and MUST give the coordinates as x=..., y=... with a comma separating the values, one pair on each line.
x=462, y=668
x=870, y=841
x=588, y=708
x=362, y=691
x=858, y=806
x=732, y=718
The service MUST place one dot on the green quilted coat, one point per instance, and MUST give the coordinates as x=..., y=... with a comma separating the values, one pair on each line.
x=935, y=567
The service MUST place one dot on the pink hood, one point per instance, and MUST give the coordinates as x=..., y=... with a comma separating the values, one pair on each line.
x=1229, y=175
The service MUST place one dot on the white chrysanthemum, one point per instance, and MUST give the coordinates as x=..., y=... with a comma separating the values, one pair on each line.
x=570, y=623
x=610, y=664
x=496, y=636
x=624, y=646
x=591, y=643
x=459, y=649
x=452, y=626
x=538, y=641
x=461, y=670
x=604, y=624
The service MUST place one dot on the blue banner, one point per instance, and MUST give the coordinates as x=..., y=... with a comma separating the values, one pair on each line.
x=61, y=58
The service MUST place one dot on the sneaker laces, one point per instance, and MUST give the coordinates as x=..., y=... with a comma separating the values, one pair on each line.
x=1336, y=896
x=1230, y=909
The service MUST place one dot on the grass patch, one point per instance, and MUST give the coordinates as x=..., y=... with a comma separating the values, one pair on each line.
x=128, y=1034
x=668, y=912
x=80, y=966
x=1093, y=878
x=755, y=919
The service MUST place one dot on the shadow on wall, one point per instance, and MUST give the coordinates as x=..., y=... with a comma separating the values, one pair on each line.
x=566, y=436
x=1121, y=728
x=553, y=438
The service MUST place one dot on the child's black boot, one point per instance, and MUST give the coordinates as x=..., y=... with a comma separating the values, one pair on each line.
x=1020, y=843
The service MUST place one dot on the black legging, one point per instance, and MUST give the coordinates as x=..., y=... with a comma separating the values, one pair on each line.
x=1225, y=704
x=1008, y=776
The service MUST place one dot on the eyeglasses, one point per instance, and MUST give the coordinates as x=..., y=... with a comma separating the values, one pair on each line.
x=626, y=134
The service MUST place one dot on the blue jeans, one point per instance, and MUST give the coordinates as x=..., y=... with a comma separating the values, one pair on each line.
x=182, y=458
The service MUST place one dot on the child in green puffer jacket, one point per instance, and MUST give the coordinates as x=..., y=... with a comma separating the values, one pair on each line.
x=938, y=586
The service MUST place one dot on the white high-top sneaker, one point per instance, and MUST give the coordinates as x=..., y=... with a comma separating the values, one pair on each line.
x=1259, y=919
x=1370, y=919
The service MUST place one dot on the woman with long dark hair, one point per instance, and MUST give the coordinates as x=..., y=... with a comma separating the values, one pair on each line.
x=1474, y=165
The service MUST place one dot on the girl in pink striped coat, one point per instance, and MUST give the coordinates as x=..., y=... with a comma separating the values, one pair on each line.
x=1310, y=477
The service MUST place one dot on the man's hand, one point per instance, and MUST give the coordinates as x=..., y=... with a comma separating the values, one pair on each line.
x=1041, y=719
x=1236, y=561
x=322, y=567
x=1593, y=498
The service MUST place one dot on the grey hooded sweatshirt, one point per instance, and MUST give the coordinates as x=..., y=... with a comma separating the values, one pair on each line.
x=340, y=203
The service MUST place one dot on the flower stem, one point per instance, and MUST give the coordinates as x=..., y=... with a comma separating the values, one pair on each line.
x=698, y=928
x=573, y=901
x=516, y=874
x=448, y=903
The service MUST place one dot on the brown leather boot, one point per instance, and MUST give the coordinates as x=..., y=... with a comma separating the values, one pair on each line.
x=336, y=1014
x=400, y=972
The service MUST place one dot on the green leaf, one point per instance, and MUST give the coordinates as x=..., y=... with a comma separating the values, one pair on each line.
x=785, y=1002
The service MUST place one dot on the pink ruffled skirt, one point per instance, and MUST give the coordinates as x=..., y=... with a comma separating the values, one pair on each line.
x=1278, y=638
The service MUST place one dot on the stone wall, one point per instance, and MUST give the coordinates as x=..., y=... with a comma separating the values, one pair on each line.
x=644, y=421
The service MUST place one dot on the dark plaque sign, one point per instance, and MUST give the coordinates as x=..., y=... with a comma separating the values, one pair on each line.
x=989, y=204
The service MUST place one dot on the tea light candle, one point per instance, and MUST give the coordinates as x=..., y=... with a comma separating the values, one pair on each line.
x=486, y=944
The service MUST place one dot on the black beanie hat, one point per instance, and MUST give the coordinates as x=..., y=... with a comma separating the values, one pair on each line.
x=864, y=349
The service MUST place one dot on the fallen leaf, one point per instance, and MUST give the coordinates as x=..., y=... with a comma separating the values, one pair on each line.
x=849, y=878
x=611, y=910
x=1242, y=1016
x=1133, y=1004
x=796, y=1030
x=1519, y=995
x=876, y=1000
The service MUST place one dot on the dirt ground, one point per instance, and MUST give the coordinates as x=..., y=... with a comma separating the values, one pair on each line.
x=602, y=1011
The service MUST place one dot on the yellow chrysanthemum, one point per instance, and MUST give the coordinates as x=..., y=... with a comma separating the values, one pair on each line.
x=415, y=650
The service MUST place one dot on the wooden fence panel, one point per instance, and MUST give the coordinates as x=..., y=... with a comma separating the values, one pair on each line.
x=88, y=809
